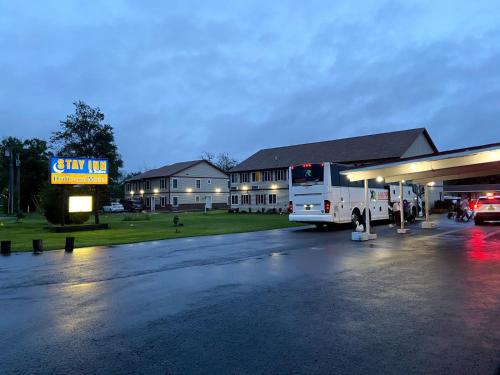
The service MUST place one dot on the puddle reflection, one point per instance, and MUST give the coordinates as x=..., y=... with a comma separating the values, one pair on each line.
x=480, y=249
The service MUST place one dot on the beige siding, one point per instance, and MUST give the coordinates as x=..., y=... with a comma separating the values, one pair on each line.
x=254, y=188
x=421, y=146
x=213, y=183
x=202, y=170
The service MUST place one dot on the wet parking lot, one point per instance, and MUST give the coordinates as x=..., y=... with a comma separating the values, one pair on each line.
x=292, y=301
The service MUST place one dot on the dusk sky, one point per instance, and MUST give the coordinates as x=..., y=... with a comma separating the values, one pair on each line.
x=176, y=78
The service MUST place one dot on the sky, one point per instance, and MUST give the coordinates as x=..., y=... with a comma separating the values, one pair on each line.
x=177, y=78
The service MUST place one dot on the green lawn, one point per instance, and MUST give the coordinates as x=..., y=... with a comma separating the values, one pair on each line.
x=160, y=226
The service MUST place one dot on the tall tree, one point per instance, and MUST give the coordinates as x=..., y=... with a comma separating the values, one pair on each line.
x=34, y=156
x=222, y=160
x=84, y=134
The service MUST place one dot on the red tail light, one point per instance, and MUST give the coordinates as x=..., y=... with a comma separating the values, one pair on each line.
x=290, y=207
x=327, y=206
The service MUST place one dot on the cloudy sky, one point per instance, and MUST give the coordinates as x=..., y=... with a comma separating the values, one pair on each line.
x=176, y=78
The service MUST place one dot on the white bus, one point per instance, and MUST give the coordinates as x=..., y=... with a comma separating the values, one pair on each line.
x=320, y=195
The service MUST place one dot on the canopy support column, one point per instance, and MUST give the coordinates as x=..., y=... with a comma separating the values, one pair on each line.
x=427, y=224
x=402, y=229
x=366, y=235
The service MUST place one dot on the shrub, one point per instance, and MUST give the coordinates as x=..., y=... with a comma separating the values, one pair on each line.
x=55, y=203
x=176, y=220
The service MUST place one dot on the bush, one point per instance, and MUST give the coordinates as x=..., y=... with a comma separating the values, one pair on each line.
x=55, y=202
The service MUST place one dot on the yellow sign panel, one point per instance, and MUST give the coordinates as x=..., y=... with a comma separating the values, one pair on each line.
x=78, y=179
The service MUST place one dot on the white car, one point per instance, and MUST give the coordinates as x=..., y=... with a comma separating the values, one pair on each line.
x=487, y=209
x=114, y=207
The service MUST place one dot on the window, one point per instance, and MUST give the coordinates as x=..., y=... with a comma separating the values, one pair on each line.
x=174, y=183
x=163, y=183
x=244, y=177
x=209, y=182
x=175, y=201
x=198, y=184
x=267, y=176
x=281, y=175
x=234, y=178
x=228, y=184
x=260, y=199
x=197, y=199
x=148, y=202
x=234, y=199
x=147, y=184
x=308, y=174
x=245, y=199
x=255, y=176
x=127, y=187
x=162, y=201
x=272, y=199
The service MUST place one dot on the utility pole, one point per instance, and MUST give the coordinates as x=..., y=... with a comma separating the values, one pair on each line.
x=18, y=183
x=10, y=201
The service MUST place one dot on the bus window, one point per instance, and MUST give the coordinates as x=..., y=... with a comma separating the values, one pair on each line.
x=307, y=173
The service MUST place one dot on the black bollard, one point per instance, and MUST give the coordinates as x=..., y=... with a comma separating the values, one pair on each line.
x=5, y=247
x=70, y=244
x=37, y=246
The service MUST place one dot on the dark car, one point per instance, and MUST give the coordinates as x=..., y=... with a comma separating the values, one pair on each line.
x=132, y=205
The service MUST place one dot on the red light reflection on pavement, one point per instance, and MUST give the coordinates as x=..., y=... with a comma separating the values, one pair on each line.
x=481, y=249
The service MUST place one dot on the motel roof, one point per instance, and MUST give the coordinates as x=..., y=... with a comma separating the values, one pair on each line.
x=167, y=170
x=356, y=150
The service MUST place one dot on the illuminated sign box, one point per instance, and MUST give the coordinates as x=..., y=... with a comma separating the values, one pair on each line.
x=80, y=204
x=78, y=171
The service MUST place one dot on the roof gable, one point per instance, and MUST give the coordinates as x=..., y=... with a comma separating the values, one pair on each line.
x=165, y=171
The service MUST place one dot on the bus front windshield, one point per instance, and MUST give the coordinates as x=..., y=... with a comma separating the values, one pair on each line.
x=307, y=174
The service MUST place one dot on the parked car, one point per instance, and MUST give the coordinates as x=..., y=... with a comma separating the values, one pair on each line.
x=132, y=205
x=114, y=207
x=487, y=209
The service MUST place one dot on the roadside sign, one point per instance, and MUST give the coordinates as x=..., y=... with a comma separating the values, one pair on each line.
x=78, y=171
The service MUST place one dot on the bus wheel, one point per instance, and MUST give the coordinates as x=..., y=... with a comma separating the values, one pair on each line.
x=355, y=218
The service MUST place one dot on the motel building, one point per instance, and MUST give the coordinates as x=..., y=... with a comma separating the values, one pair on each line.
x=188, y=185
x=260, y=183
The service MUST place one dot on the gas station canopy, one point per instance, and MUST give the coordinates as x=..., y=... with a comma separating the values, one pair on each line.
x=448, y=165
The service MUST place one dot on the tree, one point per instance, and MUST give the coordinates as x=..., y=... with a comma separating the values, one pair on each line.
x=222, y=160
x=34, y=157
x=84, y=134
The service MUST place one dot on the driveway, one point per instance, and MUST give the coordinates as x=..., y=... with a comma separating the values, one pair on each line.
x=291, y=301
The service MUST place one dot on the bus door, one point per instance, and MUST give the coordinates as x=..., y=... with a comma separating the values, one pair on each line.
x=340, y=184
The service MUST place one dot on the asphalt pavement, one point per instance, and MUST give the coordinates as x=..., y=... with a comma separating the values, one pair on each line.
x=290, y=301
